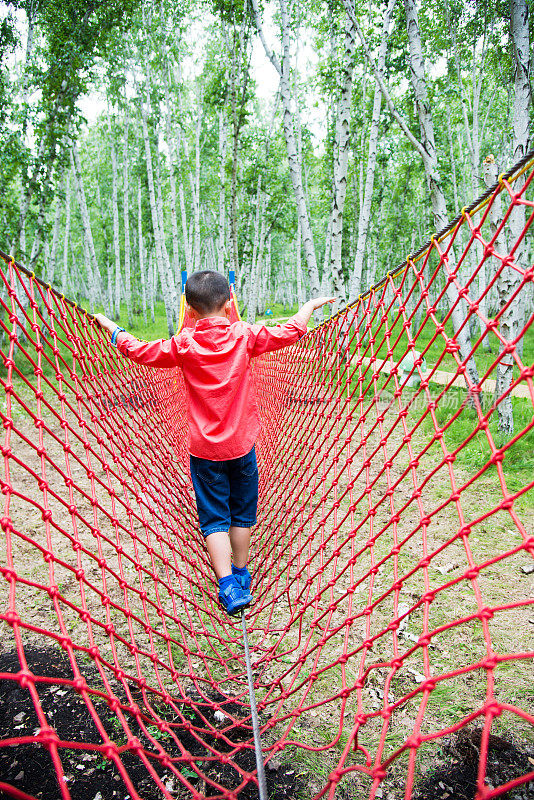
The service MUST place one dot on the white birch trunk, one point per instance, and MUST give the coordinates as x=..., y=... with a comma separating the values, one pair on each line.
x=367, y=197
x=169, y=277
x=362, y=148
x=508, y=319
x=183, y=213
x=23, y=242
x=472, y=138
x=37, y=239
x=88, y=271
x=326, y=285
x=521, y=139
x=26, y=184
x=372, y=269
x=512, y=317
x=159, y=244
x=223, y=142
x=182, y=143
x=141, y=248
x=326, y=278
x=72, y=271
x=153, y=281
x=341, y=163
x=75, y=281
x=66, y=238
x=126, y=210
x=50, y=261
x=116, y=243
x=259, y=232
x=107, y=296
x=93, y=277
x=196, y=196
x=171, y=160
x=266, y=297
x=236, y=51
x=453, y=162
x=293, y=154
x=298, y=255
x=457, y=304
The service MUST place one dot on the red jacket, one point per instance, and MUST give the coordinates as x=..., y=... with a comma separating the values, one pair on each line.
x=215, y=360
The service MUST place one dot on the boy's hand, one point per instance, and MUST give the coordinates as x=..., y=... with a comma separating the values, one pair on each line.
x=105, y=323
x=309, y=307
x=321, y=301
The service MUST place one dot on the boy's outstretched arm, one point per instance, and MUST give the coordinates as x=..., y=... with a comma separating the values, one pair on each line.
x=160, y=353
x=312, y=305
x=106, y=323
x=265, y=340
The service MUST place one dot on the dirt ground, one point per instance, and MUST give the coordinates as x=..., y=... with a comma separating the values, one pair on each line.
x=87, y=772
x=320, y=632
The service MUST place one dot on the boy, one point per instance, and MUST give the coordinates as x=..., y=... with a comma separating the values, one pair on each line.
x=223, y=420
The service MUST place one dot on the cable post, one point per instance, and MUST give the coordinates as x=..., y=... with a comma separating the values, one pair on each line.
x=262, y=783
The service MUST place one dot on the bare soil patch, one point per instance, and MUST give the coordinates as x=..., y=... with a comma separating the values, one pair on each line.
x=454, y=774
x=87, y=772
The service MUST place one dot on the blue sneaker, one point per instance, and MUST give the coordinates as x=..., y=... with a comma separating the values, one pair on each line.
x=232, y=597
x=242, y=575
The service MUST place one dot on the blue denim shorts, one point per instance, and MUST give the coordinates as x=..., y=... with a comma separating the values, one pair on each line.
x=226, y=492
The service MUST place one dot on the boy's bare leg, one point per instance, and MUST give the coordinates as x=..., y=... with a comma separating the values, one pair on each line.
x=220, y=552
x=240, y=541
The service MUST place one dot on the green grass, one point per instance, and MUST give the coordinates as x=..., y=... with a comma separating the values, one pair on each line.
x=392, y=342
x=458, y=428
x=145, y=330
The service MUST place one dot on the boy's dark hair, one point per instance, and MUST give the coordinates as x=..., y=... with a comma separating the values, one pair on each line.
x=207, y=291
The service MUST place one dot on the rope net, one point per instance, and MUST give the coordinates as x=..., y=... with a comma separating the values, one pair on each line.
x=390, y=562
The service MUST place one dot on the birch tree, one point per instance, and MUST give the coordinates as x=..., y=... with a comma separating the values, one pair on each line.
x=66, y=238
x=171, y=162
x=283, y=68
x=426, y=148
x=181, y=144
x=523, y=100
x=367, y=192
x=158, y=234
x=236, y=35
x=257, y=253
x=141, y=250
x=223, y=146
x=341, y=163
x=474, y=126
x=457, y=305
x=68, y=50
x=116, y=242
x=169, y=275
x=196, y=191
x=512, y=303
x=93, y=273
x=50, y=261
x=126, y=217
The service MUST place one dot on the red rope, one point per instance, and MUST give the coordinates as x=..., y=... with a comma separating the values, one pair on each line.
x=387, y=559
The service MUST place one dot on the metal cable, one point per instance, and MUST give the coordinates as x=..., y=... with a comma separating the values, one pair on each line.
x=262, y=783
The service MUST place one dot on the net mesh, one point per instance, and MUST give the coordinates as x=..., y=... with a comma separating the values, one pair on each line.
x=390, y=561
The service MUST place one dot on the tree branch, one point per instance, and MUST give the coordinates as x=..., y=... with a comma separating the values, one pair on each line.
x=259, y=27
x=349, y=7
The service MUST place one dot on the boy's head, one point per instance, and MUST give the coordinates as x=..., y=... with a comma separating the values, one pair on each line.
x=207, y=291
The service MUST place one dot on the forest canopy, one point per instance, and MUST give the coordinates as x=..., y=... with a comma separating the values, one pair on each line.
x=308, y=147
